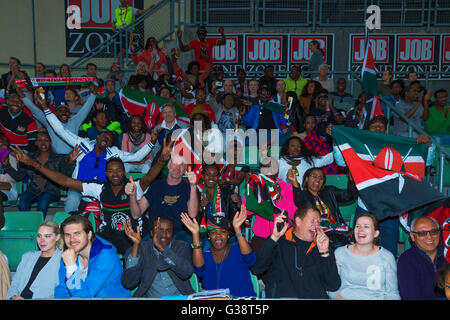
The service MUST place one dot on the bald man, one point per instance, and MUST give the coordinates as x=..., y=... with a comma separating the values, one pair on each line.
x=417, y=266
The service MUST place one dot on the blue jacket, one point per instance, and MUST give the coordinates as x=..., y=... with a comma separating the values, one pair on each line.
x=416, y=274
x=251, y=119
x=103, y=279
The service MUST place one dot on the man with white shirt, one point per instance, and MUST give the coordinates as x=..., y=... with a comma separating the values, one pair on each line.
x=169, y=124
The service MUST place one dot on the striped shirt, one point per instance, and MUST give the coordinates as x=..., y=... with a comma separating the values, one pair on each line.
x=20, y=129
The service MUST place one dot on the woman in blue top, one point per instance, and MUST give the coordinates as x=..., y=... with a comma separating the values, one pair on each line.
x=224, y=265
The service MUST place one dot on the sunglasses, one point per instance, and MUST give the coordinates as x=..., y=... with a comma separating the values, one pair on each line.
x=423, y=234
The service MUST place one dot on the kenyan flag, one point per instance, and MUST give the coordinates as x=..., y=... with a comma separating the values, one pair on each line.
x=147, y=105
x=388, y=170
x=260, y=194
x=369, y=83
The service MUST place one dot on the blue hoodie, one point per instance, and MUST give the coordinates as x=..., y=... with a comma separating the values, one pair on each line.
x=103, y=279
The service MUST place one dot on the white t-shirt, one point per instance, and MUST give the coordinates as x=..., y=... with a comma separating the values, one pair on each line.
x=319, y=162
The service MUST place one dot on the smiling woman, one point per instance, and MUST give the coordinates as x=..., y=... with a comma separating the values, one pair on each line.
x=367, y=270
x=225, y=265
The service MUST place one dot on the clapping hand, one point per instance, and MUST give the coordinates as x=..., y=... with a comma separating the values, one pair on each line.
x=239, y=219
x=135, y=237
x=190, y=223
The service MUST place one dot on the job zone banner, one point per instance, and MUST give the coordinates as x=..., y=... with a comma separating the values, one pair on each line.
x=230, y=55
x=266, y=49
x=300, y=52
x=96, y=18
x=401, y=53
x=254, y=52
x=418, y=52
x=382, y=49
x=445, y=55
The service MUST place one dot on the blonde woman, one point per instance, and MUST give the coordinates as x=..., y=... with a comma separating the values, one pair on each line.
x=37, y=274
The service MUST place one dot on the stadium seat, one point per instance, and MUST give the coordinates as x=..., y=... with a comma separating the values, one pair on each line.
x=347, y=209
x=60, y=216
x=135, y=175
x=15, y=244
x=22, y=220
x=337, y=180
x=19, y=234
x=194, y=282
x=255, y=284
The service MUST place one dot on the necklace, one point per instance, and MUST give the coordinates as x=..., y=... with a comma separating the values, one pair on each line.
x=219, y=270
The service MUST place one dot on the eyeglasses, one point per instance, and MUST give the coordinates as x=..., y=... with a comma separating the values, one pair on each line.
x=323, y=97
x=423, y=234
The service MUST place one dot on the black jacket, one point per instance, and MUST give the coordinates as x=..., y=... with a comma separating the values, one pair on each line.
x=330, y=195
x=285, y=259
x=144, y=273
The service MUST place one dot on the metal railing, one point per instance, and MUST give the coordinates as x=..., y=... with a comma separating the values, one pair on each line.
x=138, y=29
x=442, y=152
x=317, y=13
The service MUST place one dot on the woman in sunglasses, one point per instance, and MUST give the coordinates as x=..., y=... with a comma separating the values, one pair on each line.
x=367, y=270
x=417, y=267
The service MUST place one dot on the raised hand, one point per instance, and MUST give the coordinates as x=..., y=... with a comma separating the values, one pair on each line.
x=135, y=237
x=75, y=153
x=239, y=219
x=192, y=178
x=292, y=177
x=276, y=235
x=130, y=187
x=179, y=33
x=93, y=88
x=39, y=100
x=323, y=243
x=190, y=223
x=154, y=135
x=167, y=150
x=21, y=156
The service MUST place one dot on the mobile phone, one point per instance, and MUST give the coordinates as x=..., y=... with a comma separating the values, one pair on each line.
x=219, y=83
x=280, y=225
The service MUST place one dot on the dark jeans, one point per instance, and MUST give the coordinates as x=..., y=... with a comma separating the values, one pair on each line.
x=43, y=200
x=389, y=232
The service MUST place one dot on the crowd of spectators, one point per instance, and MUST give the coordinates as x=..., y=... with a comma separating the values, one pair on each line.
x=176, y=220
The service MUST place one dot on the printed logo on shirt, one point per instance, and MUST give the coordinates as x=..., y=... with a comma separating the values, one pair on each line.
x=21, y=129
x=118, y=219
x=170, y=200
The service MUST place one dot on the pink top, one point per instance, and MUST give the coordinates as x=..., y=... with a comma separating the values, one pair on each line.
x=263, y=227
x=127, y=144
